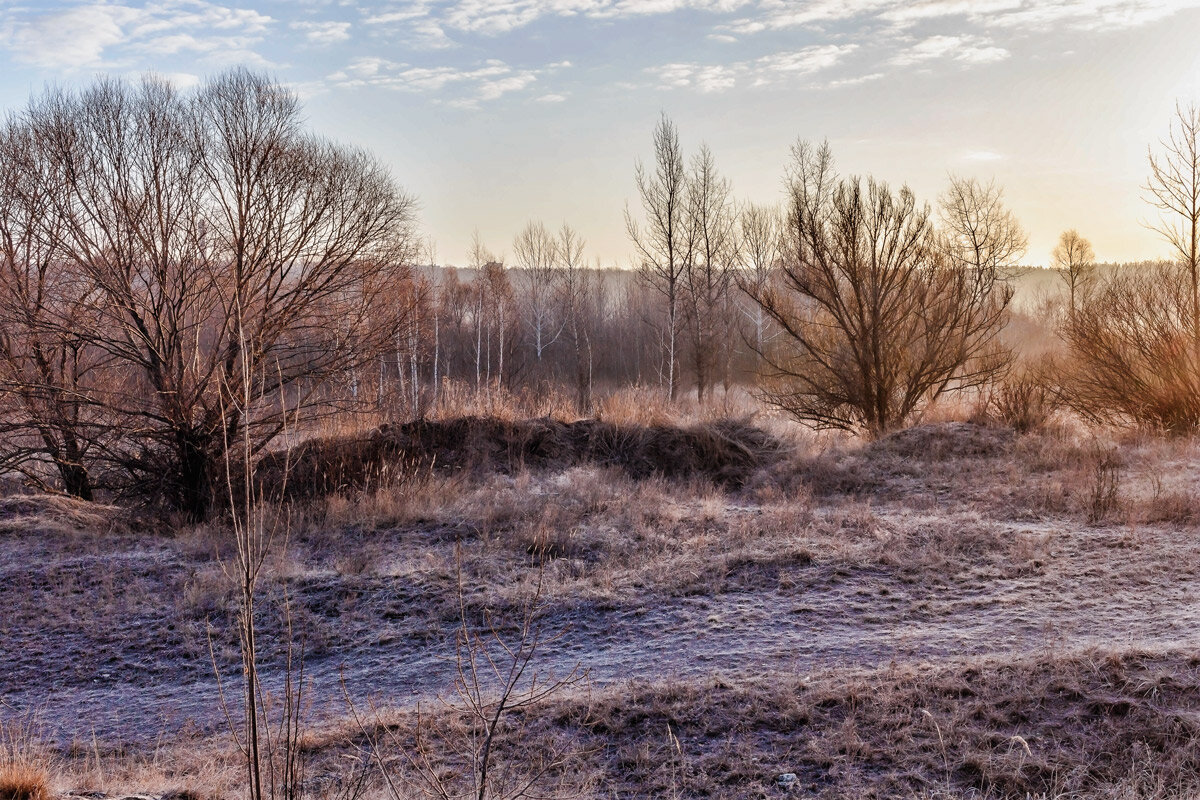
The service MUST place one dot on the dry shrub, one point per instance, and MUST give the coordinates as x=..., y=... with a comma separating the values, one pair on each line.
x=940, y=548
x=1024, y=400
x=1173, y=508
x=1082, y=726
x=1104, y=488
x=636, y=405
x=24, y=782
x=458, y=399
x=1134, y=360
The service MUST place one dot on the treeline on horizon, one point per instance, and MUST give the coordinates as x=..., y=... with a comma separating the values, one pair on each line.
x=183, y=274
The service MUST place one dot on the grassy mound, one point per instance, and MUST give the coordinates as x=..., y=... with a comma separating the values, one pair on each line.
x=726, y=452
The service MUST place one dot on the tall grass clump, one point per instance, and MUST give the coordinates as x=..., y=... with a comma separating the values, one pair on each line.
x=24, y=763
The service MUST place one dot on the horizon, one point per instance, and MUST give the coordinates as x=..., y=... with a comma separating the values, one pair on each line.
x=496, y=114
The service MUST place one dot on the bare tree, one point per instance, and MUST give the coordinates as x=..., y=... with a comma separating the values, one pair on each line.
x=760, y=249
x=1174, y=189
x=878, y=314
x=979, y=233
x=708, y=274
x=45, y=371
x=577, y=295
x=182, y=215
x=1074, y=259
x=664, y=245
x=535, y=252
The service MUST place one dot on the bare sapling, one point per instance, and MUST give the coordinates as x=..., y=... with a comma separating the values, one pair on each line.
x=268, y=737
x=497, y=681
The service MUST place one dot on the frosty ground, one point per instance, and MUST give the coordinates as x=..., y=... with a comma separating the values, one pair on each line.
x=956, y=608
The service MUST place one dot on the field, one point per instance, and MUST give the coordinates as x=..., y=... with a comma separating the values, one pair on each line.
x=955, y=610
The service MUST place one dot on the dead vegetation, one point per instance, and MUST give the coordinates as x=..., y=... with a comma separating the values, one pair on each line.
x=25, y=761
x=971, y=571
x=726, y=452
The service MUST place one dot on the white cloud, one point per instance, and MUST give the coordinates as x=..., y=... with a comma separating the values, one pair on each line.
x=773, y=15
x=501, y=16
x=768, y=70
x=552, y=98
x=104, y=35
x=964, y=49
x=1088, y=14
x=323, y=33
x=412, y=23
x=465, y=87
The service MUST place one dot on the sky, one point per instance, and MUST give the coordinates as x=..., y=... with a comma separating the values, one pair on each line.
x=496, y=112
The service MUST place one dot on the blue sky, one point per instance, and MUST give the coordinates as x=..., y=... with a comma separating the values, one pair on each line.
x=494, y=113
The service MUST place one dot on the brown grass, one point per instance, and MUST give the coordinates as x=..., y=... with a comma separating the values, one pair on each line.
x=947, y=526
x=727, y=452
x=25, y=763
x=1091, y=725
x=24, y=782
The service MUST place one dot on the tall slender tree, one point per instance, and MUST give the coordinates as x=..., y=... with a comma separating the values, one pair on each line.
x=664, y=243
x=1174, y=189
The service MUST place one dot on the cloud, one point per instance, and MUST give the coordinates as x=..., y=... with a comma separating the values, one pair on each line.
x=105, y=35
x=323, y=33
x=462, y=87
x=964, y=49
x=1031, y=15
x=765, y=71
x=412, y=23
x=1088, y=14
x=775, y=15
x=493, y=17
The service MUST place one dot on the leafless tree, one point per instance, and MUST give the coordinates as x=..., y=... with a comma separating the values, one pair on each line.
x=181, y=215
x=979, y=233
x=664, y=244
x=489, y=288
x=45, y=370
x=878, y=314
x=535, y=253
x=578, y=290
x=1174, y=189
x=708, y=274
x=1074, y=259
x=761, y=228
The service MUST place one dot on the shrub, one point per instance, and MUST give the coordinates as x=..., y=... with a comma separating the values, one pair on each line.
x=1024, y=400
x=1134, y=359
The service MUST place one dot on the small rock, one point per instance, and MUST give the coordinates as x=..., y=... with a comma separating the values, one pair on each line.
x=786, y=779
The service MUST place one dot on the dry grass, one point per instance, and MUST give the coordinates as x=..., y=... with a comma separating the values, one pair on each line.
x=38, y=513
x=972, y=538
x=25, y=762
x=724, y=451
x=1087, y=725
